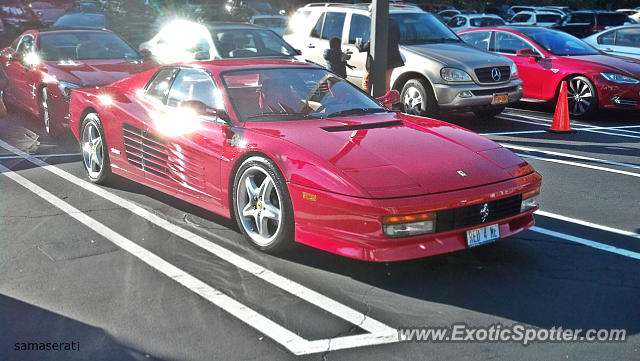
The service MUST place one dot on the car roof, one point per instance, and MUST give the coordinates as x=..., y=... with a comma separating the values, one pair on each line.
x=229, y=25
x=480, y=16
x=223, y=65
x=71, y=28
x=596, y=12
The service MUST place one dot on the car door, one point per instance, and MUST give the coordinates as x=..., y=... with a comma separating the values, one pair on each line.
x=20, y=73
x=533, y=71
x=187, y=147
x=359, y=30
x=627, y=42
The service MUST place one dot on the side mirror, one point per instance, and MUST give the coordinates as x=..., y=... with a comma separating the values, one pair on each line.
x=392, y=97
x=199, y=108
x=298, y=51
x=202, y=55
x=146, y=54
x=527, y=53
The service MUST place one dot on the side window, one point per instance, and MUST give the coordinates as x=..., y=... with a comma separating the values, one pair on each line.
x=26, y=44
x=607, y=39
x=317, y=30
x=628, y=37
x=521, y=18
x=158, y=88
x=333, y=25
x=360, y=28
x=194, y=85
x=478, y=39
x=581, y=18
x=509, y=44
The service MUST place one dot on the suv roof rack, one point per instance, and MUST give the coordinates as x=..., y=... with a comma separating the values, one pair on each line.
x=392, y=4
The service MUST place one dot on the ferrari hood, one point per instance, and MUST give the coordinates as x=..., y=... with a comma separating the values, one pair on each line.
x=89, y=73
x=393, y=155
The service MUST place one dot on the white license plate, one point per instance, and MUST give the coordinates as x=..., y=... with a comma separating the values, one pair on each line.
x=476, y=237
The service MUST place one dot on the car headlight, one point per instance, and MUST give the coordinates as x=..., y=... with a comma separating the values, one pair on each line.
x=514, y=71
x=529, y=200
x=453, y=74
x=619, y=78
x=65, y=88
x=411, y=225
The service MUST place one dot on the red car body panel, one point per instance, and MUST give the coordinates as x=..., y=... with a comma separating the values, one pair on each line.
x=542, y=77
x=24, y=83
x=357, y=177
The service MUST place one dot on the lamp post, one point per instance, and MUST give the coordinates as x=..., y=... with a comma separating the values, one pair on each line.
x=379, y=42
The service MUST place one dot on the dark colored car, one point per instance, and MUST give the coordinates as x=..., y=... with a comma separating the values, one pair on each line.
x=87, y=7
x=42, y=66
x=81, y=20
x=587, y=22
x=48, y=11
x=18, y=16
x=503, y=11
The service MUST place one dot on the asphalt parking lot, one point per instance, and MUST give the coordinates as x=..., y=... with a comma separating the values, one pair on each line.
x=131, y=274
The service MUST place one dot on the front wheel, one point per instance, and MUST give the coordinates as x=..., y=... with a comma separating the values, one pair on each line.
x=487, y=114
x=582, y=97
x=94, y=150
x=262, y=205
x=418, y=98
x=50, y=126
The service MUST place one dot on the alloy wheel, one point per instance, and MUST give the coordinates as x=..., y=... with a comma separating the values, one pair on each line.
x=580, y=96
x=92, y=150
x=45, y=111
x=413, y=101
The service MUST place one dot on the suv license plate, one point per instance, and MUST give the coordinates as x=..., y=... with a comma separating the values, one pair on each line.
x=476, y=237
x=500, y=98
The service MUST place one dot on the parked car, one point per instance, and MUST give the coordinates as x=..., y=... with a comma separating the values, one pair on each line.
x=81, y=20
x=546, y=57
x=42, y=66
x=587, y=22
x=517, y=9
x=18, y=16
x=536, y=18
x=632, y=13
x=468, y=21
x=277, y=23
x=89, y=7
x=503, y=11
x=620, y=41
x=447, y=14
x=187, y=41
x=278, y=145
x=48, y=11
x=441, y=72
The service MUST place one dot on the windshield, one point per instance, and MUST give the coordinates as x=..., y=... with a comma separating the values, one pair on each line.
x=294, y=94
x=249, y=43
x=81, y=20
x=422, y=28
x=271, y=22
x=488, y=21
x=559, y=43
x=612, y=19
x=88, y=45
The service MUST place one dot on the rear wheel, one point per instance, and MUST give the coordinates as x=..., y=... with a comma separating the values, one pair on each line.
x=418, y=98
x=262, y=205
x=50, y=126
x=94, y=150
x=487, y=114
x=582, y=97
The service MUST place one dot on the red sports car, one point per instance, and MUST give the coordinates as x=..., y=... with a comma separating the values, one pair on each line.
x=546, y=57
x=43, y=66
x=293, y=152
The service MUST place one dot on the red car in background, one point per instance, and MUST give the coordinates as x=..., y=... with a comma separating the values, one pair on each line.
x=42, y=66
x=295, y=153
x=546, y=57
x=48, y=11
x=18, y=16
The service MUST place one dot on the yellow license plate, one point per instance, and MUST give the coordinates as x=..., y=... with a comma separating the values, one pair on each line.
x=500, y=98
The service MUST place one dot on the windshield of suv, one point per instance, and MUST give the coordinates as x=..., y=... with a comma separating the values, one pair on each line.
x=558, y=42
x=249, y=43
x=83, y=45
x=422, y=28
x=294, y=94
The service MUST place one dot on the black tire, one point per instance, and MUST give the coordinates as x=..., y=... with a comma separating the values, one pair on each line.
x=417, y=98
x=487, y=114
x=96, y=175
x=50, y=125
x=577, y=108
x=283, y=237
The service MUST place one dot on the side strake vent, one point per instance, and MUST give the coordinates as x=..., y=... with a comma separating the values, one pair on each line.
x=160, y=157
x=346, y=128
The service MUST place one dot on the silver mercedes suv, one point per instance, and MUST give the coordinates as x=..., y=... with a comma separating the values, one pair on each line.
x=441, y=71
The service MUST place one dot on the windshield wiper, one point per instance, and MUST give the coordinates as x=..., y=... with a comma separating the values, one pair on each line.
x=276, y=114
x=356, y=111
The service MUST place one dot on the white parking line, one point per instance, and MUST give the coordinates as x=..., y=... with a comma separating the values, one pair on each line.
x=57, y=155
x=586, y=242
x=567, y=155
x=581, y=165
x=583, y=127
x=588, y=224
x=514, y=133
x=379, y=333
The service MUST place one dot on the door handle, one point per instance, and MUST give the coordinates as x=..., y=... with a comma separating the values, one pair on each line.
x=311, y=46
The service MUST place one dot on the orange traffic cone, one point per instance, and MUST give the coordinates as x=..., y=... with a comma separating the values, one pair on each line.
x=561, y=123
